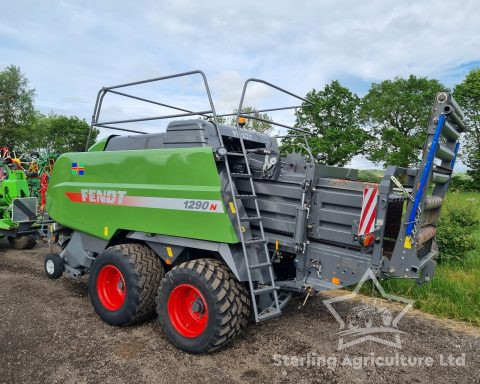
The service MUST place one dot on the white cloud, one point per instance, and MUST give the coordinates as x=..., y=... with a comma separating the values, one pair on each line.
x=75, y=47
x=69, y=49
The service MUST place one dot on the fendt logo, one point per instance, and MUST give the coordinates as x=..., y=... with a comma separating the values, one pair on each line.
x=113, y=197
x=102, y=196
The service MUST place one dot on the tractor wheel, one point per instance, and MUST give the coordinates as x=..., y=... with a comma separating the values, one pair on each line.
x=199, y=305
x=123, y=283
x=53, y=265
x=22, y=242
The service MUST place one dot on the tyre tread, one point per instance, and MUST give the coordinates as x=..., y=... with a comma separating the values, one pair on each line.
x=230, y=296
x=149, y=269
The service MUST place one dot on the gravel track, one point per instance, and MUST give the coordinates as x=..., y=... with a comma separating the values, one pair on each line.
x=49, y=333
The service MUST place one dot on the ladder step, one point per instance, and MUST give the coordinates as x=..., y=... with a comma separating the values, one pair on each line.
x=261, y=265
x=235, y=154
x=443, y=170
x=426, y=233
x=241, y=175
x=272, y=312
x=432, y=202
x=450, y=132
x=283, y=299
x=255, y=241
x=264, y=290
x=444, y=153
x=246, y=197
x=251, y=218
x=439, y=178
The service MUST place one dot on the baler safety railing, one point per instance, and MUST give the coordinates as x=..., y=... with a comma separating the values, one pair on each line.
x=211, y=113
x=240, y=113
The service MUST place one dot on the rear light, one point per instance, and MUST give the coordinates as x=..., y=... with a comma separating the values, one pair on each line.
x=335, y=280
x=242, y=121
x=366, y=240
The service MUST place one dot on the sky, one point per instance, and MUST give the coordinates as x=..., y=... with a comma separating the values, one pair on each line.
x=70, y=49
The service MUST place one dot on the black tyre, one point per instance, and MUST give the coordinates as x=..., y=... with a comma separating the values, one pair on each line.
x=53, y=265
x=22, y=242
x=200, y=305
x=123, y=283
x=242, y=295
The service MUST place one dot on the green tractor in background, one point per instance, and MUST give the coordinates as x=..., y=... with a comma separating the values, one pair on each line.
x=18, y=210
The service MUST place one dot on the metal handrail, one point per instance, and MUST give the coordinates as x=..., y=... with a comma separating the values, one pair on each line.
x=150, y=101
x=186, y=112
x=154, y=118
x=262, y=110
x=113, y=89
x=240, y=113
x=120, y=129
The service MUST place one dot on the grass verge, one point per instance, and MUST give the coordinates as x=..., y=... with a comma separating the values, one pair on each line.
x=454, y=291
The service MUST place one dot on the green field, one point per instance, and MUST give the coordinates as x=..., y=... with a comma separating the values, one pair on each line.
x=454, y=292
x=370, y=175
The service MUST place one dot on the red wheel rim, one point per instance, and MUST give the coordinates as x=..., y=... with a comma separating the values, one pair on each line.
x=188, y=310
x=111, y=288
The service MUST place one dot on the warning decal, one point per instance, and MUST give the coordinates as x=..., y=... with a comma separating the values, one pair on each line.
x=369, y=211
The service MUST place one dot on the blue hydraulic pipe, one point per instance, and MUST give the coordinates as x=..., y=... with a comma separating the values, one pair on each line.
x=452, y=163
x=425, y=174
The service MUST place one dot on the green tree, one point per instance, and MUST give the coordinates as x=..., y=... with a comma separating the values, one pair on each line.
x=397, y=112
x=467, y=94
x=16, y=107
x=59, y=134
x=332, y=118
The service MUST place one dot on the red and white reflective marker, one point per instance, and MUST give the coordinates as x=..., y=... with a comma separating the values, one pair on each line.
x=369, y=211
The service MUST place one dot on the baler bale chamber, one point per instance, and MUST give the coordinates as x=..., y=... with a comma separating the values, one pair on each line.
x=204, y=199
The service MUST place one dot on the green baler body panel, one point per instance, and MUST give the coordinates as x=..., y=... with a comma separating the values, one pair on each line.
x=15, y=186
x=164, y=191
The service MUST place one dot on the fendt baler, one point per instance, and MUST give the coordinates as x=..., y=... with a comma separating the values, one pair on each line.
x=209, y=223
